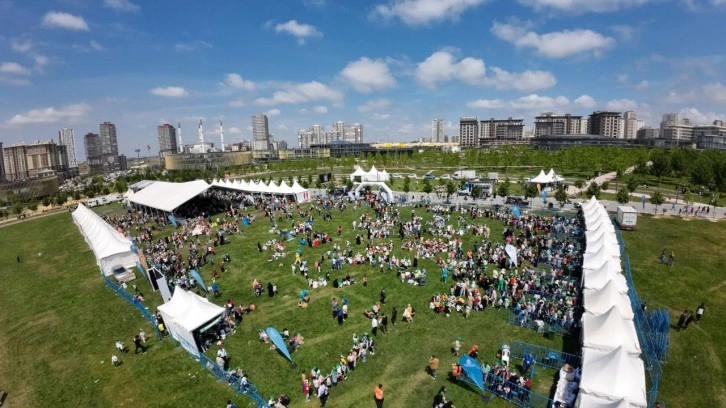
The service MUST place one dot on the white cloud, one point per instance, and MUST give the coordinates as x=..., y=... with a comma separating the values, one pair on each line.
x=623, y=78
x=236, y=81
x=621, y=105
x=487, y=104
x=300, y=31
x=529, y=102
x=169, y=92
x=68, y=113
x=642, y=85
x=366, y=75
x=14, y=68
x=442, y=66
x=92, y=46
x=406, y=128
x=58, y=19
x=21, y=45
x=14, y=81
x=237, y=103
x=381, y=116
x=234, y=130
x=420, y=12
x=585, y=101
x=624, y=31
x=713, y=93
x=320, y=109
x=191, y=46
x=121, y=5
x=583, y=6
x=700, y=118
x=374, y=105
x=558, y=44
x=301, y=93
x=273, y=112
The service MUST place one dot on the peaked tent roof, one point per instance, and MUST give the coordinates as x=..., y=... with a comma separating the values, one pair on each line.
x=190, y=310
x=589, y=401
x=105, y=241
x=601, y=301
x=609, y=331
x=359, y=172
x=600, y=368
x=167, y=196
x=541, y=178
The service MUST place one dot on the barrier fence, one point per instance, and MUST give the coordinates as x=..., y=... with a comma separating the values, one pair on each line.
x=119, y=289
x=653, y=334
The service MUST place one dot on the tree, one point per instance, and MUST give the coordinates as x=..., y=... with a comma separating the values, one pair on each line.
x=632, y=184
x=105, y=191
x=318, y=184
x=503, y=188
x=427, y=188
x=622, y=196
x=17, y=208
x=121, y=186
x=476, y=192
x=406, y=184
x=61, y=198
x=605, y=185
x=348, y=184
x=561, y=196
x=76, y=195
x=579, y=183
x=593, y=190
x=33, y=205
x=657, y=199
x=688, y=198
x=46, y=201
x=661, y=164
x=450, y=189
x=530, y=191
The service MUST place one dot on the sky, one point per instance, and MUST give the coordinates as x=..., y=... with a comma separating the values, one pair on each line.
x=392, y=65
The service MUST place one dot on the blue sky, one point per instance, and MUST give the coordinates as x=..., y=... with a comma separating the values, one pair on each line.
x=392, y=65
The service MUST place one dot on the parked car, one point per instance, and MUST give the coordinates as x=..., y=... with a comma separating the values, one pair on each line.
x=429, y=176
x=412, y=176
x=464, y=193
x=516, y=200
x=446, y=177
x=122, y=274
x=396, y=176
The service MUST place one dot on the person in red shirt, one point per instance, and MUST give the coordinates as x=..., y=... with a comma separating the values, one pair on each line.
x=378, y=395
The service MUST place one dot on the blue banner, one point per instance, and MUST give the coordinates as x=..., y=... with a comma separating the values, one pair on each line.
x=516, y=211
x=544, y=195
x=197, y=277
x=172, y=220
x=472, y=370
x=278, y=341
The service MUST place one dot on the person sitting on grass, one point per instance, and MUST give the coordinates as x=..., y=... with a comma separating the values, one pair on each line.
x=263, y=336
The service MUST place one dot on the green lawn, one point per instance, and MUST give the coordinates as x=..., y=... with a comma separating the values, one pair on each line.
x=59, y=322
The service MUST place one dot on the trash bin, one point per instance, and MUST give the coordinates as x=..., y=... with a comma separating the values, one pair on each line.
x=549, y=206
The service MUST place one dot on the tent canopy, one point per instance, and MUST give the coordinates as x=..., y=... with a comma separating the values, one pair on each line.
x=108, y=245
x=588, y=401
x=609, y=331
x=599, y=370
x=187, y=312
x=541, y=178
x=601, y=301
x=167, y=196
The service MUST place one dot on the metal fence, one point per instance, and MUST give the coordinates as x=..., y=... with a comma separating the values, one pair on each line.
x=543, y=356
x=119, y=289
x=654, y=341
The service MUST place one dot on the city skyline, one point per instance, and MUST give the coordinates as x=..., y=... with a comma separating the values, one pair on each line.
x=80, y=63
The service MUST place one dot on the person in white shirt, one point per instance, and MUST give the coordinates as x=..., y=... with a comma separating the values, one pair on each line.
x=374, y=325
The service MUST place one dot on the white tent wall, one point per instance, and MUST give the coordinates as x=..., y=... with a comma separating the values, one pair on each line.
x=599, y=370
x=108, y=245
x=609, y=331
x=187, y=312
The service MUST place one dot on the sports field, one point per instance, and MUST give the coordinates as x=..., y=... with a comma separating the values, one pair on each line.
x=59, y=322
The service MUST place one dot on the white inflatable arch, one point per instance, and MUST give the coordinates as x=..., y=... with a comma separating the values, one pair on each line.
x=382, y=186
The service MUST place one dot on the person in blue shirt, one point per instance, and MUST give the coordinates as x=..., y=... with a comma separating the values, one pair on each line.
x=527, y=362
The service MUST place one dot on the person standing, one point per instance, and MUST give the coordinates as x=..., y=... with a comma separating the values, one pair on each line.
x=433, y=366
x=139, y=345
x=384, y=323
x=383, y=296
x=456, y=347
x=394, y=315
x=323, y=394
x=374, y=325
x=527, y=362
x=378, y=395
x=231, y=404
x=142, y=334
x=699, y=312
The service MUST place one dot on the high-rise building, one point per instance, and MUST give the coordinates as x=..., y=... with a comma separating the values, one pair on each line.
x=3, y=178
x=501, y=129
x=94, y=152
x=40, y=159
x=341, y=132
x=260, y=133
x=437, y=131
x=109, y=146
x=469, y=131
x=167, y=139
x=672, y=127
x=550, y=124
x=648, y=133
x=16, y=162
x=67, y=139
x=630, y=125
x=669, y=119
x=606, y=124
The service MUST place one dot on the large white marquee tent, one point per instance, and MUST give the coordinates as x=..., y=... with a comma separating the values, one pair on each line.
x=296, y=191
x=166, y=196
x=109, y=246
x=186, y=313
x=372, y=175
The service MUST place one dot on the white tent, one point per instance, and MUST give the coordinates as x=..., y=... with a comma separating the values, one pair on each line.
x=375, y=175
x=613, y=375
x=301, y=193
x=602, y=245
x=598, y=302
x=541, y=178
x=592, y=202
x=359, y=172
x=167, y=196
x=596, y=279
x=609, y=331
x=108, y=245
x=595, y=236
x=595, y=260
x=589, y=401
x=555, y=177
x=187, y=312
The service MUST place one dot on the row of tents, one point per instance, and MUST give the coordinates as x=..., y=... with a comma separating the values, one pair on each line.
x=371, y=175
x=548, y=178
x=613, y=374
x=296, y=191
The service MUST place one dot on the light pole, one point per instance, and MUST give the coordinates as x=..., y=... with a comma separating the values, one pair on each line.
x=137, y=154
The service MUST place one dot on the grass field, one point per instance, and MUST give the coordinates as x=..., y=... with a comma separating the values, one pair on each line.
x=59, y=321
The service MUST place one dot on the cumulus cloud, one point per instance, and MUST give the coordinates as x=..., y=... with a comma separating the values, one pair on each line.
x=713, y=93
x=320, y=109
x=234, y=130
x=374, y=105
x=13, y=68
x=421, y=12
x=273, y=112
x=558, y=44
x=236, y=81
x=442, y=66
x=301, y=93
x=583, y=6
x=58, y=19
x=621, y=105
x=366, y=75
x=585, y=101
x=298, y=30
x=68, y=113
x=121, y=5
x=237, y=103
x=169, y=92
x=642, y=85
x=21, y=45
x=700, y=118
x=535, y=103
